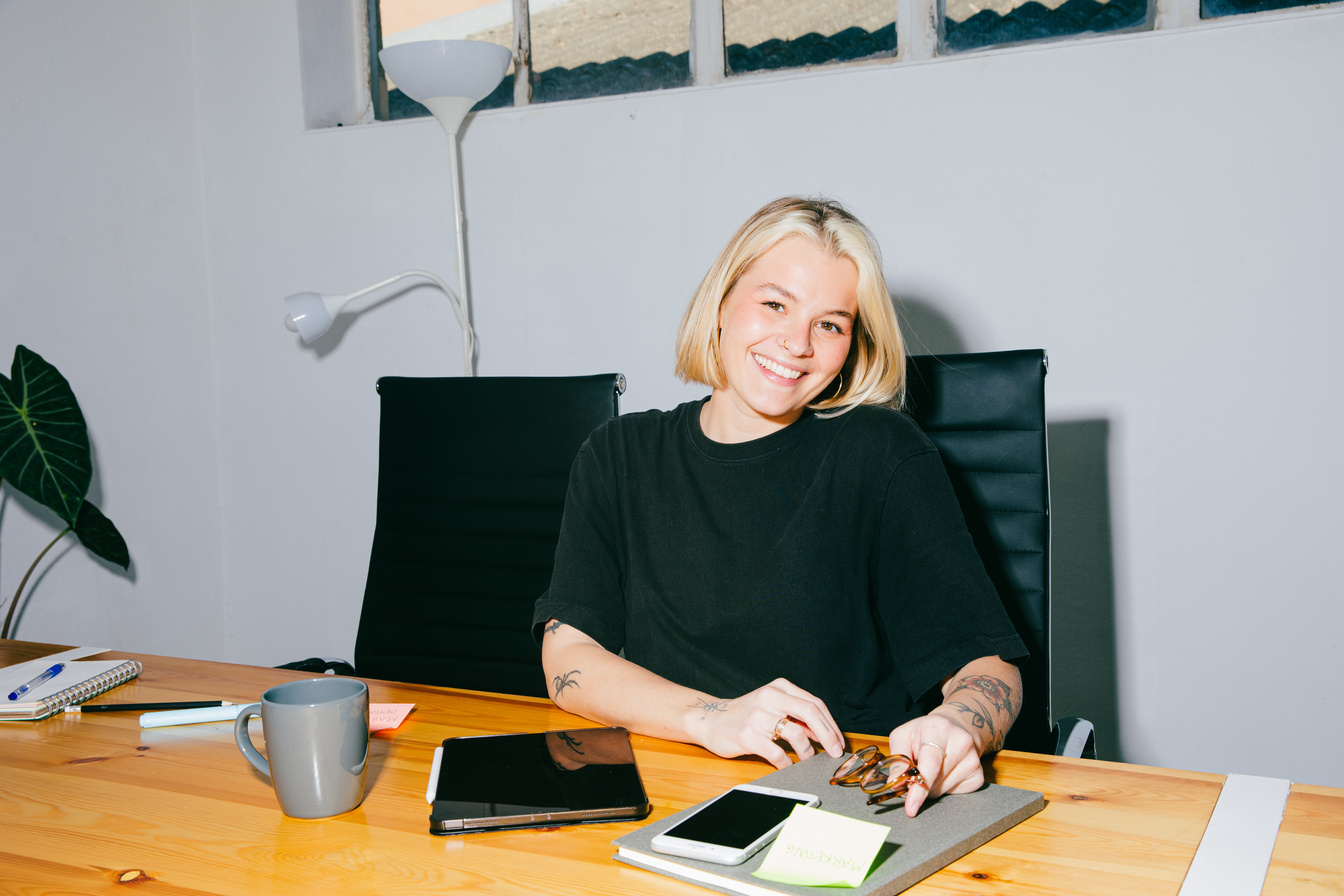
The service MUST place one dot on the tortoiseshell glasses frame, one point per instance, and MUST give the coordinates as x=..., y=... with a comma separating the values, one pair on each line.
x=881, y=777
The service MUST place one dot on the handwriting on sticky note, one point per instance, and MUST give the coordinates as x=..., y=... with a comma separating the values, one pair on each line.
x=383, y=716
x=822, y=849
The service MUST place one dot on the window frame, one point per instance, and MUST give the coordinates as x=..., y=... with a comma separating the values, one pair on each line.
x=919, y=36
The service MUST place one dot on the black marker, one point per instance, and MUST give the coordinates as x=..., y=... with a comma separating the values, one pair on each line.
x=147, y=707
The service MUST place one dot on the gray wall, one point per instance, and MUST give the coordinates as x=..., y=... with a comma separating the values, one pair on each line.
x=1155, y=210
x=104, y=272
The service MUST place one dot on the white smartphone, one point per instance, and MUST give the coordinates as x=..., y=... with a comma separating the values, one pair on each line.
x=734, y=827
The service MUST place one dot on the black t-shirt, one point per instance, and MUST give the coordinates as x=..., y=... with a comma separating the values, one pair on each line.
x=831, y=553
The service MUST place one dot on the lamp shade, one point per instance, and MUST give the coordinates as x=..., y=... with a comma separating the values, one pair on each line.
x=310, y=314
x=447, y=76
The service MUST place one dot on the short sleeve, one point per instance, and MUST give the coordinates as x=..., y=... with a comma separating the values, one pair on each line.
x=936, y=604
x=585, y=590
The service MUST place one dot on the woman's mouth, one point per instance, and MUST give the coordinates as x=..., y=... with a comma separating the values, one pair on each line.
x=776, y=368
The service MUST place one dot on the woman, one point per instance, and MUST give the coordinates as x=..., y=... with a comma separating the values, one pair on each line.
x=785, y=559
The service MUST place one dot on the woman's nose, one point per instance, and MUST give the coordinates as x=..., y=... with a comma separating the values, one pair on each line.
x=797, y=341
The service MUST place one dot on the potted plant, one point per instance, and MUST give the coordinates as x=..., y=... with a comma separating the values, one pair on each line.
x=44, y=453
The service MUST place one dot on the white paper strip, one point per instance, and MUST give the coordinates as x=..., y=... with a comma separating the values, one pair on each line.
x=76, y=653
x=169, y=717
x=1234, y=854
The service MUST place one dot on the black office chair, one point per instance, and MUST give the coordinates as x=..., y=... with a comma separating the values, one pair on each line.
x=986, y=414
x=472, y=474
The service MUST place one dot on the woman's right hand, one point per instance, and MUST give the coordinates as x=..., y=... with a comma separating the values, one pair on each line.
x=747, y=724
x=590, y=681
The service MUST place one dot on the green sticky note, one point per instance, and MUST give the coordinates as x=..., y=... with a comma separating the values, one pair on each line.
x=822, y=849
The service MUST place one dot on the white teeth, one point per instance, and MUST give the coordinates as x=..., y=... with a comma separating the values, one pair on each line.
x=779, y=369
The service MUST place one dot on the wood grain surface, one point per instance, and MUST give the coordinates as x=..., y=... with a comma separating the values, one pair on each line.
x=90, y=803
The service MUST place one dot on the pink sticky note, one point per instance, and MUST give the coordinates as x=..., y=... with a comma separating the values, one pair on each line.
x=387, y=715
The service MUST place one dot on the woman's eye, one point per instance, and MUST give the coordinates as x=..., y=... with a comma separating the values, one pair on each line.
x=773, y=305
x=831, y=327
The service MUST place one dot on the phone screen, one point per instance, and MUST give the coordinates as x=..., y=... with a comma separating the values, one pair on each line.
x=736, y=819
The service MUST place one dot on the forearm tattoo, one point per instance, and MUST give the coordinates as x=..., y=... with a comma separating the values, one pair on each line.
x=554, y=626
x=978, y=719
x=999, y=695
x=565, y=681
x=707, y=708
x=995, y=706
x=571, y=742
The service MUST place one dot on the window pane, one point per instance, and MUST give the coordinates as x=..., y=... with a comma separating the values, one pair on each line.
x=774, y=34
x=487, y=20
x=1210, y=9
x=981, y=23
x=600, y=47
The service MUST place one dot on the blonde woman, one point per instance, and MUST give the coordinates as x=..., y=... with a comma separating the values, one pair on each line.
x=783, y=560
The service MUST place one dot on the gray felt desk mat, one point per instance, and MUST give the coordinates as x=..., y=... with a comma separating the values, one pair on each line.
x=944, y=831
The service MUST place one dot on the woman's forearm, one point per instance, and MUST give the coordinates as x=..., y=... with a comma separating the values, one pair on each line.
x=586, y=679
x=984, y=697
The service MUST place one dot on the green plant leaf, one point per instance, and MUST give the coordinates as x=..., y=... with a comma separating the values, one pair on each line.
x=44, y=443
x=101, y=537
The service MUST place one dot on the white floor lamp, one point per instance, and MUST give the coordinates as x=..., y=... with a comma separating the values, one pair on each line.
x=448, y=77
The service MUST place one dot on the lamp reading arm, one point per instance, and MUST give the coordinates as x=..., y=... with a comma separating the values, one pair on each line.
x=311, y=314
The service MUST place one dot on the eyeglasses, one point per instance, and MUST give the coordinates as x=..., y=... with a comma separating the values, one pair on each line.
x=881, y=777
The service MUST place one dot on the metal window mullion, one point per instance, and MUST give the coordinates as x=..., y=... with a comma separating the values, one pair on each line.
x=917, y=26
x=1174, y=13
x=707, y=53
x=522, y=54
x=377, y=83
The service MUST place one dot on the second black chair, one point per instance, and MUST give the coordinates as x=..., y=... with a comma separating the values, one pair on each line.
x=986, y=414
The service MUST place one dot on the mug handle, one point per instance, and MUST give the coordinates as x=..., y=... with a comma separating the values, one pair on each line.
x=245, y=740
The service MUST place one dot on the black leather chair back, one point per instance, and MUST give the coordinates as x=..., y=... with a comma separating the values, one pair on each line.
x=472, y=474
x=986, y=414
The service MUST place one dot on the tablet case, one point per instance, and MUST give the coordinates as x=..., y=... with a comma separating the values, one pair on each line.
x=500, y=781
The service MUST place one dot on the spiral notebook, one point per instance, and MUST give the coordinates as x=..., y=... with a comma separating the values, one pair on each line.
x=78, y=681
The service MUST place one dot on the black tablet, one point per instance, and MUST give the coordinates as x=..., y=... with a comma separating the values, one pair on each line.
x=549, y=778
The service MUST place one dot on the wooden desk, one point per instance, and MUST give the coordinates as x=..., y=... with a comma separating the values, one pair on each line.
x=89, y=803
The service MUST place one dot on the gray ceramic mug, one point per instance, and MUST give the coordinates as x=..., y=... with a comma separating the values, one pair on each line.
x=317, y=738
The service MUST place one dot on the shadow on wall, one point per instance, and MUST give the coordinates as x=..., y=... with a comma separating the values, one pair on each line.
x=926, y=330
x=1083, y=579
x=1082, y=594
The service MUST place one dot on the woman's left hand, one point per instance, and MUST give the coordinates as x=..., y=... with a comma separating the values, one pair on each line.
x=945, y=754
x=979, y=705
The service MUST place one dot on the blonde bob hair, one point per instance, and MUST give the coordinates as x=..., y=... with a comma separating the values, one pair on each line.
x=874, y=371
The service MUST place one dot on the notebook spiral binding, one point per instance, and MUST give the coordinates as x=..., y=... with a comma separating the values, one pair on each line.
x=90, y=688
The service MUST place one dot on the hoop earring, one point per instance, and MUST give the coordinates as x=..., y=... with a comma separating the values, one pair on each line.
x=839, y=388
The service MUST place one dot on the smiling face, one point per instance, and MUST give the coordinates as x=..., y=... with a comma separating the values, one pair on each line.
x=785, y=331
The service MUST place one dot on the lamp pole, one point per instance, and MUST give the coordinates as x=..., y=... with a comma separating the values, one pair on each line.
x=459, y=227
x=449, y=77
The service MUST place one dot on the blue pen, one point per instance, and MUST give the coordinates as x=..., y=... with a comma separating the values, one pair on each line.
x=45, y=676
